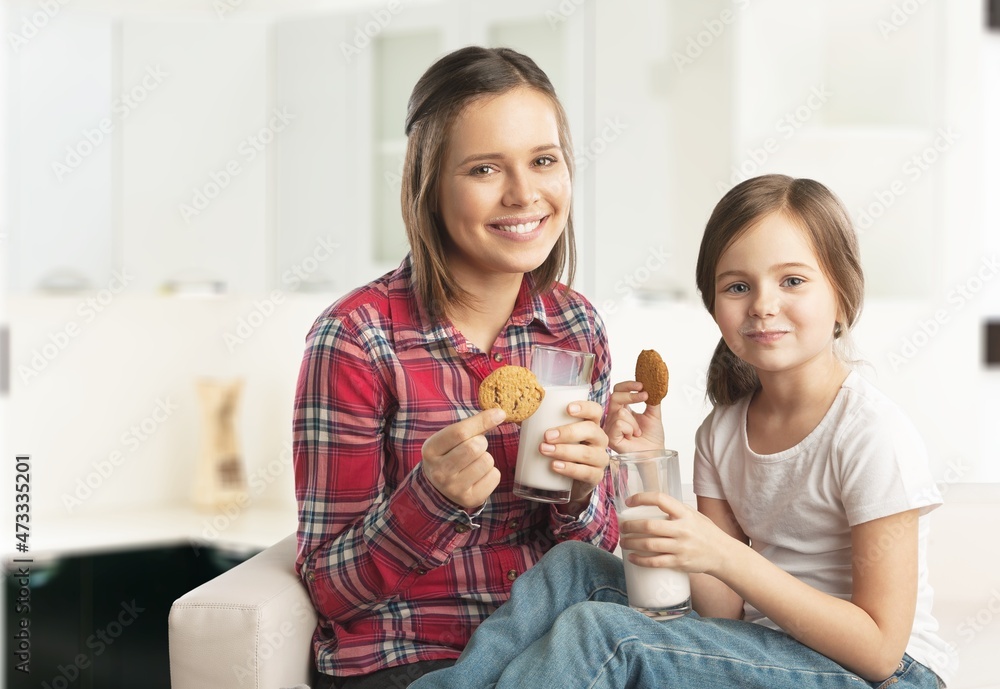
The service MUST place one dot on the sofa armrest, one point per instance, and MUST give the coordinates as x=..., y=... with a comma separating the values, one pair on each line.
x=251, y=626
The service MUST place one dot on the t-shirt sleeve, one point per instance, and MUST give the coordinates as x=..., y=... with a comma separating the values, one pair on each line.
x=707, y=482
x=884, y=468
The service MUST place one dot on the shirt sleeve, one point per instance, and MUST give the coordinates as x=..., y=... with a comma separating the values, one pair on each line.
x=883, y=467
x=597, y=524
x=707, y=482
x=358, y=544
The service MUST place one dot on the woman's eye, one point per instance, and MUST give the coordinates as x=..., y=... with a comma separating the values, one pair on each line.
x=545, y=161
x=481, y=170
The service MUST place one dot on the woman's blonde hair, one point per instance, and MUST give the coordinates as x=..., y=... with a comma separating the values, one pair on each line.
x=439, y=96
x=823, y=218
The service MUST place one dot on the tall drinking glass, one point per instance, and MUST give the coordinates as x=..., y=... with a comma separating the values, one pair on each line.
x=657, y=592
x=565, y=375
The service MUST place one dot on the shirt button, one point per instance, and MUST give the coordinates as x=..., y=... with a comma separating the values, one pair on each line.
x=421, y=571
x=461, y=528
x=513, y=524
x=498, y=357
x=311, y=575
x=512, y=574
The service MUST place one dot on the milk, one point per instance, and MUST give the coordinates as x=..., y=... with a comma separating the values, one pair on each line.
x=533, y=468
x=653, y=589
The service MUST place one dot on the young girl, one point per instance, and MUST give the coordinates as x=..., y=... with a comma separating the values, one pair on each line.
x=807, y=553
x=409, y=532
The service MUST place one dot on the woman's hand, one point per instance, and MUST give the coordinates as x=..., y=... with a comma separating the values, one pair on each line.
x=456, y=462
x=628, y=431
x=688, y=541
x=579, y=450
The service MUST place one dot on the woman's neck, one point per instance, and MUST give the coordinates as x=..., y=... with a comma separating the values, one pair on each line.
x=492, y=302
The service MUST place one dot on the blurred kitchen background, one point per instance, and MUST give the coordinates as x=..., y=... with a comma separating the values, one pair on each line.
x=186, y=184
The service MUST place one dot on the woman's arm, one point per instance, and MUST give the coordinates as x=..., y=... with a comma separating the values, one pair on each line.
x=866, y=634
x=360, y=543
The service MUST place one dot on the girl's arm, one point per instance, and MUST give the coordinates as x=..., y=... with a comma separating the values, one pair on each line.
x=866, y=634
x=711, y=597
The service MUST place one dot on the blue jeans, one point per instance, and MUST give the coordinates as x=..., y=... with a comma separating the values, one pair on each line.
x=568, y=624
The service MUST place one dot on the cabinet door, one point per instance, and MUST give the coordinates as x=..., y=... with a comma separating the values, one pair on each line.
x=318, y=229
x=60, y=152
x=195, y=152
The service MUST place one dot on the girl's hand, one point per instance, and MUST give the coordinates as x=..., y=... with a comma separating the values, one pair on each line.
x=579, y=450
x=628, y=431
x=456, y=462
x=688, y=541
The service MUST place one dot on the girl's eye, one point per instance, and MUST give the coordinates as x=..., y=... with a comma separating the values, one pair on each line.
x=794, y=282
x=738, y=288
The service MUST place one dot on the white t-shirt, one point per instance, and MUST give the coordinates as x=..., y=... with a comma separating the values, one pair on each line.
x=865, y=460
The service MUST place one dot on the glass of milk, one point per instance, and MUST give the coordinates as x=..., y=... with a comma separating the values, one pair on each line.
x=565, y=374
x=657, y=592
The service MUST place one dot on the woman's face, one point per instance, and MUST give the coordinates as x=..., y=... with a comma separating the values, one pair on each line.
x=504, y=187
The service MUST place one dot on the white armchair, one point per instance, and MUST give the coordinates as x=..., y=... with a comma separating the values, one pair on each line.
x=250, y=627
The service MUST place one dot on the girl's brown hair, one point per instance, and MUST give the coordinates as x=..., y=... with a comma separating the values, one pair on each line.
x=823, y=218
x=439, y=96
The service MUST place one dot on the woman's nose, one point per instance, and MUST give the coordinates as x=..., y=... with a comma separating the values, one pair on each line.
x=520, y=190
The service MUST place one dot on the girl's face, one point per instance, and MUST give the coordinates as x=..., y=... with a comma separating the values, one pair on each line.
x=774, y=305
x=504, y=185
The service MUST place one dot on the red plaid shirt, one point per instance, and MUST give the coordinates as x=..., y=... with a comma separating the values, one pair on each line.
x=397, y=572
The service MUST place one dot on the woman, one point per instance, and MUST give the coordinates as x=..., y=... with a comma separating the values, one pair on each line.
x=409, y=533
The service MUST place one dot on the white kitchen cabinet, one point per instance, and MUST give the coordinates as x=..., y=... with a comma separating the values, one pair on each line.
x=194, y=180
x=60, y=153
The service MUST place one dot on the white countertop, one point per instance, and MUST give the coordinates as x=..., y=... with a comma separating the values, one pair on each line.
x=247, y=530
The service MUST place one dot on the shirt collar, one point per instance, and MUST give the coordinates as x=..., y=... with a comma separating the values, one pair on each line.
x=413, y=327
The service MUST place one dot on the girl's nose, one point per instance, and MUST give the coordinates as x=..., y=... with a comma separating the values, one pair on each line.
x=765, y=302
x=520, y=190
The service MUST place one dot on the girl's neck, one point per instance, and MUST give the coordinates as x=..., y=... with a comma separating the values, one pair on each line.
x=790, y=404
